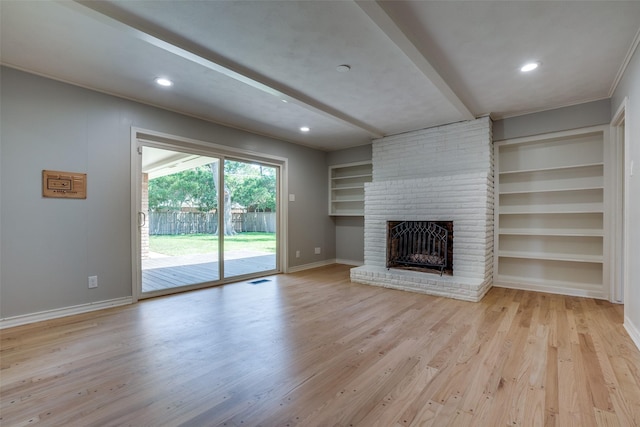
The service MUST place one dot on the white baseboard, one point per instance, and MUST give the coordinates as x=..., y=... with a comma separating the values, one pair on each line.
x=311, y=265
x=633, y=331
x=62, y=312
x=349, y=262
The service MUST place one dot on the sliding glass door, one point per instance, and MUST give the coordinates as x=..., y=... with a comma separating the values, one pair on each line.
x=198, y=223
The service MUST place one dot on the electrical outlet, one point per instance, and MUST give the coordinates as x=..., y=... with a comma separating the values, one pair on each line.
x=93, y=282
x=317, y=251
x=297, y=254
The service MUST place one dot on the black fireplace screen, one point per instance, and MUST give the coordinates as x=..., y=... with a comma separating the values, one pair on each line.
x=420, y=244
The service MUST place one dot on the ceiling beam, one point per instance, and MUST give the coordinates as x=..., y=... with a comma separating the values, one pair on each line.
x=111, y=15
x=400, y=39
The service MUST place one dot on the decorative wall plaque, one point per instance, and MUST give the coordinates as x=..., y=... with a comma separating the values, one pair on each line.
x=65, y=185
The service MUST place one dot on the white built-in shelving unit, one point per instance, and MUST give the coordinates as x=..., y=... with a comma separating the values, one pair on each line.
x=550, y=213
x=346, y=188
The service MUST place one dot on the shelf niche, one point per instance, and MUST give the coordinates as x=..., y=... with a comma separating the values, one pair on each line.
x=346, y=188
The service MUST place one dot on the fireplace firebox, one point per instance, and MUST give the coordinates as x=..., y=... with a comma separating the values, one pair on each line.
x=420, y=245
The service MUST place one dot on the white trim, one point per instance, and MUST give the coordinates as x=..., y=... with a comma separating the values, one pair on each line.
x=309, y=266
x=633, y=332
x=136, y=196
x=609, y=214
x=222, y=208
x=496, y=210
x=25, y=319
x=618, y=117
x=620, y=143
x=625, y=64
x=282, y=258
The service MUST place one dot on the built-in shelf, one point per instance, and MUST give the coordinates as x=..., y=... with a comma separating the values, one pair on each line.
x=565, y=208
x=346, y=188
x=347, y=212
x=555, y=190
x=551, y=256
x=348, y=199
x=589, y=177
x=338, y=178
x=552, y=169
x=582, y=288
x=549, y=212
x=540, y=274
x=551, y=232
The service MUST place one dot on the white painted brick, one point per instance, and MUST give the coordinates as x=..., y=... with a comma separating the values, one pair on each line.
x=440, y=174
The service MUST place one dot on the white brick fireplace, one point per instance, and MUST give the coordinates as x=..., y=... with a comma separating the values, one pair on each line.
x=437, y=174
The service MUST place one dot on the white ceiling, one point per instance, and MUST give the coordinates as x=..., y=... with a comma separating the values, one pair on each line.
x=414, y=64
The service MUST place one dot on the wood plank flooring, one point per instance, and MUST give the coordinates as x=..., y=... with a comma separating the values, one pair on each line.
x=314, y=349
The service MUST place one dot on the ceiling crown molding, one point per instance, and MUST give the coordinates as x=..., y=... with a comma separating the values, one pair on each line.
x=625, y=63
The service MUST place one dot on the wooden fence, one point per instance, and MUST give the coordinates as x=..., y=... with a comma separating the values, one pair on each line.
x=171, y=223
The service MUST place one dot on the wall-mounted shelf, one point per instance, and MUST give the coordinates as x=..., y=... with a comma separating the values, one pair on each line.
x=346, y=188
x=549, y=214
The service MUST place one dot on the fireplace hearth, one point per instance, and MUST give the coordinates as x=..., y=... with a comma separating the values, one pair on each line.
x=420, y=246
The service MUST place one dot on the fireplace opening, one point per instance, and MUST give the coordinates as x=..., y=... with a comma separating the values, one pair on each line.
x=420, y=245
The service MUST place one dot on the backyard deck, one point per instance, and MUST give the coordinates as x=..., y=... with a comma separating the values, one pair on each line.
x=165, y=272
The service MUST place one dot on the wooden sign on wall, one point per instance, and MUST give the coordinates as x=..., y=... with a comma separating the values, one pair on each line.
x=65, y=185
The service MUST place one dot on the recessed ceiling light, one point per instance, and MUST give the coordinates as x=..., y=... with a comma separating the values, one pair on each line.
x=344, y=68
x=284, y=100
x=162, y=81
x=529, y=66
x=305, y=129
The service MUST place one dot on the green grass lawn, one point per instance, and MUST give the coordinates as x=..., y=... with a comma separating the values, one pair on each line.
x=189, y=244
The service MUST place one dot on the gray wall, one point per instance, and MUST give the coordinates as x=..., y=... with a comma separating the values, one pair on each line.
x=50, y=246
x=629, y=86
x=573, y=117
x=349, y=229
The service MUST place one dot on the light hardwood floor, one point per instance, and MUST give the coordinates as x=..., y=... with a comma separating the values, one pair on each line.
x=313, y=349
